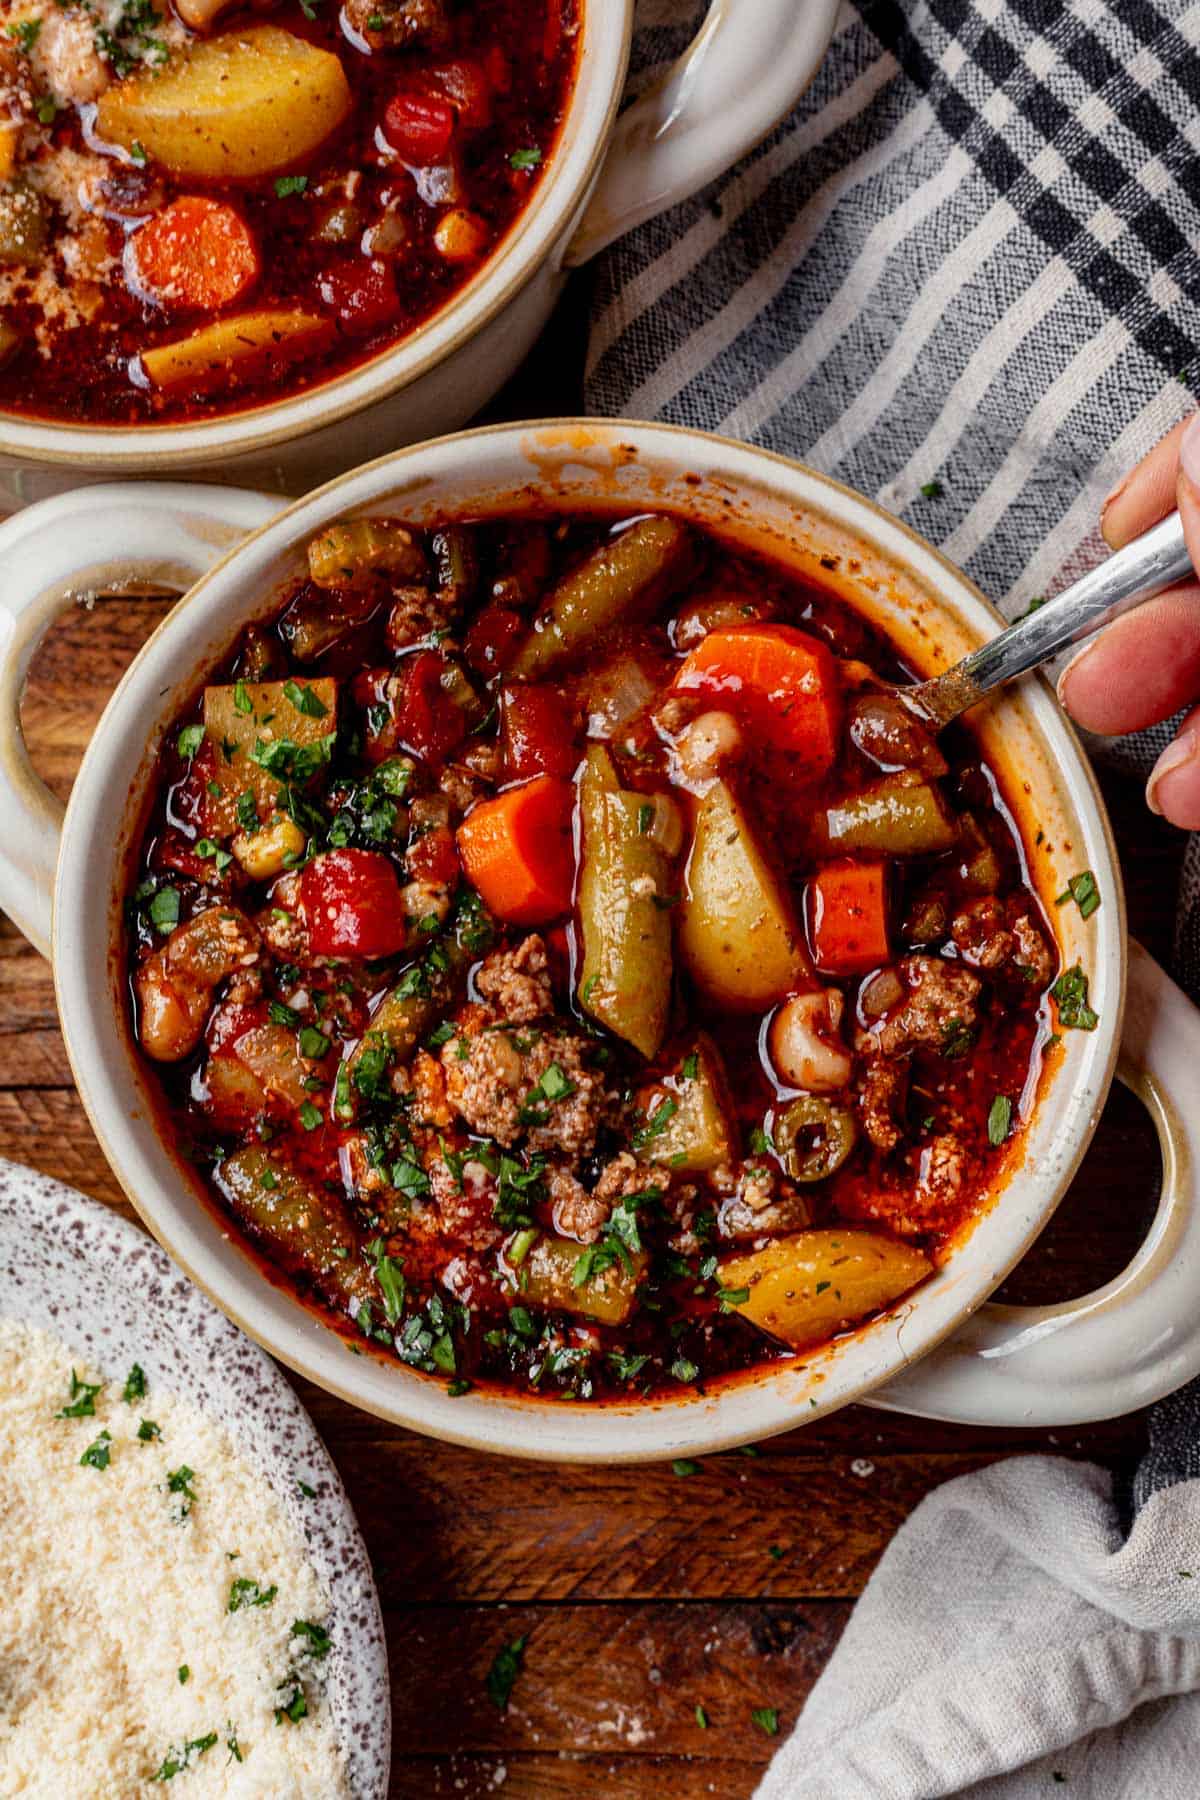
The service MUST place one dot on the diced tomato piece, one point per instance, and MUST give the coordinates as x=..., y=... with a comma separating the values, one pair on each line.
x=174, y=852
x=351, y=904
x=419, y=127
x=228, y=1023
x=429, y=722
x=539, y=733
x=846, y=910
x=362, y=293
x=434, y=857
x=467, y=85
x=781, y=681
x=517, y=850
x=494, y=635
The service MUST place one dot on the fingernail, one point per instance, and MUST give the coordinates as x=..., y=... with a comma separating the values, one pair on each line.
x=1176, y=756
x=1115, y=494
x=1060, y=685
x=1189, y=452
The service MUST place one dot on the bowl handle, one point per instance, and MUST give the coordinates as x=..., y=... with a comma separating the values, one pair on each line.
x=739, y=77
x=1138, y=1337
x=72, y=548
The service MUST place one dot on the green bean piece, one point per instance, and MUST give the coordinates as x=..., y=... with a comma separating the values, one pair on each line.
x=635, y=570
x=306, y=1229
x=814, y=1136
x=624, y=911
x=403, y=1018
x=456, y=561
x=899, y=816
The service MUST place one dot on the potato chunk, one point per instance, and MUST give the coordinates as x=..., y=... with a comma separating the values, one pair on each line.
x=249, y=343
x=737, y=933
x=802, y=1289
x=243, y=722
x=242, y=105
x=698, y=1129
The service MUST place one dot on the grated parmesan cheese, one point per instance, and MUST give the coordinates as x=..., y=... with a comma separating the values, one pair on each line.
x=113, y=1585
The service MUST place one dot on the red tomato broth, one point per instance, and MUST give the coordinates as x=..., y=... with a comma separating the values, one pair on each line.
x=950, y=1094
x=503, y=102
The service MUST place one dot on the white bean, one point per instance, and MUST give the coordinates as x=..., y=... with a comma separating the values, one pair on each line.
x=709, y=741
x=806, y=1044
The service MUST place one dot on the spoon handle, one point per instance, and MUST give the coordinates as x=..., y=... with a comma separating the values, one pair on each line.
x=1124, y=580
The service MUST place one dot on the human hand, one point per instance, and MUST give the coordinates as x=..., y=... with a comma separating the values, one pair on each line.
x=1146, y=666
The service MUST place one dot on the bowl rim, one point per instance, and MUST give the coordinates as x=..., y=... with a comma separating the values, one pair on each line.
x=602, y=61
x=613, y=1432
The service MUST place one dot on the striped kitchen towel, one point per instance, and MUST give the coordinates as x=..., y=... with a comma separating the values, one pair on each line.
x=963, y=277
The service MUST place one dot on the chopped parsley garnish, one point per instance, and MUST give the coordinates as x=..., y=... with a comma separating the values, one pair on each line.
x=1070, y=995
x=310, y=1493
x=389, y=1272
x=370, y=1070
x=656, y=1123
x=164, y=909
x=624, y=1366
x=295, y=1707
x=81, y=1403
x=684, y=1370
x=247, y=811
x=289, y=761
x=184, y=1673
x=683, y=1466
x=932, y=490
x=138, y=153
x=957, y=1038
x=147, y=1431
x=767, y=1720
x=312, y=1043
x=245, y=1592
x=46, y=109
x=241, y=697
x=761, y=1142
x=999, y=1119
x=179, y=1481
x=310, y=1116
x=731, y=1298
x=525, y=159
x=97, y=1454
x=25, y=34
x=503, y=1673
x=189, y=741
x=280, y=1014
x=285, y=186
x=207, y=849
x=135, y=1385
x=1083, y=891
x=304, y=699
x=316, y=1638
x=691, y=1067
x=177, y=1762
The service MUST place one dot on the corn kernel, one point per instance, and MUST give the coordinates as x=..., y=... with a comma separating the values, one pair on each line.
x=270, y=849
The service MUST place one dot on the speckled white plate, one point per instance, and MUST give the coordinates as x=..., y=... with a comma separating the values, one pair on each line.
x=109, y=1293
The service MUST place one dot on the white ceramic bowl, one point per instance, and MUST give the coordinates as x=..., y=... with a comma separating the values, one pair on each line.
x=742, y=74
x=72, y=1268
x=1130, y=1342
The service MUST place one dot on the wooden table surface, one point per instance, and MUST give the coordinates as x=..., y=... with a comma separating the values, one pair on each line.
x=643, y=1594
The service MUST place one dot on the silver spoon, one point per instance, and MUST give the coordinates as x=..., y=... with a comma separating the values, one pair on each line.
x=1142, y=569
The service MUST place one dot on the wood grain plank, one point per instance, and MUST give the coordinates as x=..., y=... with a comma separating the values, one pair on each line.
x=520, y=1775
x=608, y=1679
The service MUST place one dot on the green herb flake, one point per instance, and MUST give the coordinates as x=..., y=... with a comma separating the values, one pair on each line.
x=135, y=1385
x=683, y=1467
x=502, y=1675
x=147, y=1431
x=310, y=1493
x=1083, y=891
x=999, y=1119
x=932, y=490
x=316, y=1638
x=245, y=1592
x=138, y=153
x=177, y=1762
x=767, y=1720
x=684, y=1370
x=304, y=699
x=189, y=741
x=701, y=1718
x=98, y=1454
x=81, y=1403
x=312, y=1043
x=25, y=34
x=389, y=1272
x=241, y=697
x=285, y=186
x=164, y=909
x=691, y=1067
x=184, y=1673
x=656, y=1122
x=525, y=159
x=1070, y=995
x=310, y=1116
